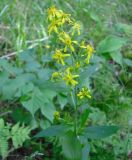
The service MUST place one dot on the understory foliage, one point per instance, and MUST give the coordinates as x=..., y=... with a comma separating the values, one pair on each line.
x=71, y=92
x=17, y=134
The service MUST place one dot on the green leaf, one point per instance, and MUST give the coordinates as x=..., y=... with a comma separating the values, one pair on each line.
x=48, y=110
x=97, y=132
x=124, y=28
x=19, y=135
x=71, y=146
x=9, y=67
x=44, y=124
x=62, y=100
x=85, y=152
x=89, y=71
x=84, y=117
x=56, y=130
x=110, y=44
x=13, y=87
x=32, y=66
x=128, y=62
x=36, y=101
x=45, y=73
x=27, y=55
x=117, y=57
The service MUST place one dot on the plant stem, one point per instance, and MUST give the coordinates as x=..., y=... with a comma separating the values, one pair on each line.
x=74, y=99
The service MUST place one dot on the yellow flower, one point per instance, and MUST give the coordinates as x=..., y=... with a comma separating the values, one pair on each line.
x=55, y=75
x=59, y=56
x=53, y=27
x=64, y=18
x=89, y=51
x=65, y=38
x=56, y=115
x=69, y=78
x=53, y=12
x=76, y=28
x=84, y=93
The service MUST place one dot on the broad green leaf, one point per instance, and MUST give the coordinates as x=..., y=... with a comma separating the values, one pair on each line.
x=32, y=66
x=97, y=132
x=71, y=146
x=62, y=100
x=124, y=28
x=110, y=44
x=20, y=115
x=49, y=93
x=56, y=87
x=9, y=67
x=36, y=101
x=48, y=110
x=52, y=131
x=11, y=87
x=44, y=74
x=117, y=57
x=3, y=80
x=89, y=71
x=97, y=59
x=128, y=62
x=46, y=58
x=25, y=90
x=44, y=124
x=27, y=55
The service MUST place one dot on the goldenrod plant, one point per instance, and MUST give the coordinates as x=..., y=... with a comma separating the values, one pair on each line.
x=71, y=56
x=69, y=79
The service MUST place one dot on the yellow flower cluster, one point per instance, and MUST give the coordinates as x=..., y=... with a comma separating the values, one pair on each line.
x=57, y=18
x=69, y=78
x=76, y=28
x=59, y=56
x=56, y=76
x=84, y=93
x=89, y=50
x=67, y=41
x=79, y=52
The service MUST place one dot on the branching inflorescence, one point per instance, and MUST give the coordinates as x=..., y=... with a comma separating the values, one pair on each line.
x=72, y=54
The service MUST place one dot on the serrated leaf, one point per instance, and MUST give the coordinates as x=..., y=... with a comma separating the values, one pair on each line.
x=14, y=86
x=36, y=101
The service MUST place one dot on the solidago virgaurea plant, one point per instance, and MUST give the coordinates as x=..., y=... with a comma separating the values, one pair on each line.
x=71, y=55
